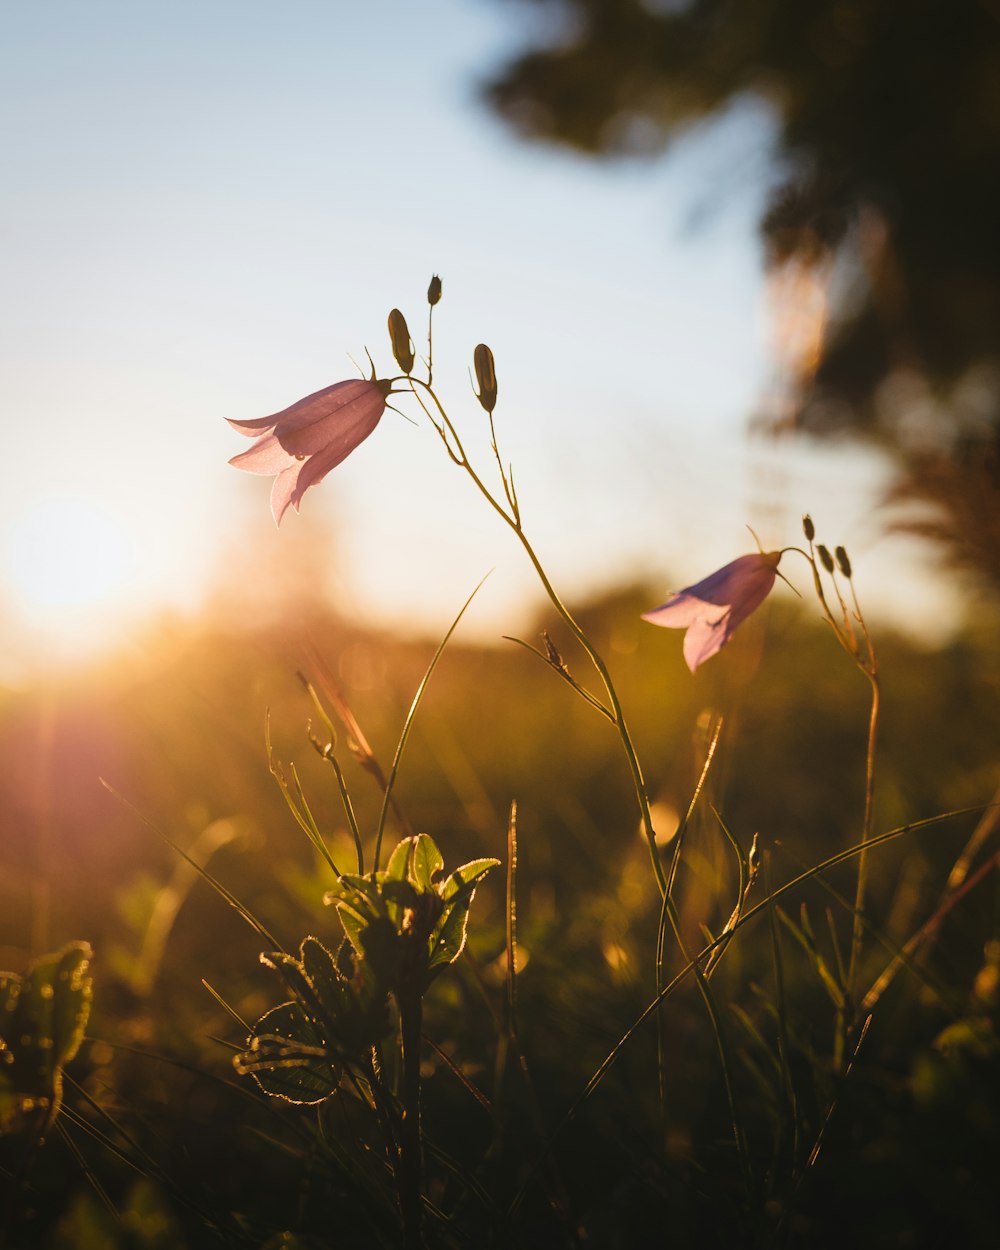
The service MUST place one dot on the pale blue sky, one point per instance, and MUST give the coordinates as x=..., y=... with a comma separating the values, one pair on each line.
x=207, y=206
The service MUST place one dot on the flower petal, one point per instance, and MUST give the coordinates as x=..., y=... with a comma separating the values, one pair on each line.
x=341, y=411
x=315, y=468
x=283, y=490
x=262, y=425
x=732, y=581
x=679, y=611
x=266, y=456
x=705, y=638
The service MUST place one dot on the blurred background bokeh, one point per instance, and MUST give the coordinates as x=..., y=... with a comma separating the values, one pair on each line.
x=735, y=263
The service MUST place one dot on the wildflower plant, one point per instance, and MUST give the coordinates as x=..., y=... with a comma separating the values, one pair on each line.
x=350, y=1007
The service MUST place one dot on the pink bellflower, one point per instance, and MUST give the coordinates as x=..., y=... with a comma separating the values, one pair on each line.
x=711, y=609
x=303, y=443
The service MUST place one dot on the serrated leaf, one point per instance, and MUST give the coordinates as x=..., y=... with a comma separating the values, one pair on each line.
x=448, y=941
x=427, y=862
x=355, y=1007
x=320, y=968
x=288, y=1058
x=296, y=981
x=467, y=877
x=57, y=991
x=354, y=925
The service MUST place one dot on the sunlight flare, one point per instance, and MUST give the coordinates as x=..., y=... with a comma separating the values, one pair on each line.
x=66, y=553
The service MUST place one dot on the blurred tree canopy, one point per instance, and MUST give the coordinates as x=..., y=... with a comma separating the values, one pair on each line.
x=888, y=141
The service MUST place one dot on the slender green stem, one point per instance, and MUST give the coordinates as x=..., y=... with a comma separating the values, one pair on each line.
x=348, y=810
x=513, y=522
x=566, y=676
x=708, y=998
x=661, y=928
x=326, y=750
x=408, y=725
x=867, y=662
x=787, y=1080
x=859, y=898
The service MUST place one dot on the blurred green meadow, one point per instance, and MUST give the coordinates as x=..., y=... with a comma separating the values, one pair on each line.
x=161, y=1144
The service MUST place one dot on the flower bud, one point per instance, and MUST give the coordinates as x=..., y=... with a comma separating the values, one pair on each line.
x=825, y=557
x=434, y=291
x=402, y=345
x=486, y=377
x=842, y=561
x=552, y=654
x=808, y=528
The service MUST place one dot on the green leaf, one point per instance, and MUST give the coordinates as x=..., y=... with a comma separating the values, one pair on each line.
x=42, y=1021
x=59, y=989
x=466, y=878
x=427, y=862
x=353, y=1009
x=448, y=941
x=448, y=937
x=398, y=896
x=320, y=968
x=354, y=925
x=361, y=892
x=396, y=868
x=288, y=1058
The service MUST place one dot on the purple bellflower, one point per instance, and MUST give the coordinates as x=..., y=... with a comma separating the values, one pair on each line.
x=303, y=443
x=711, y=609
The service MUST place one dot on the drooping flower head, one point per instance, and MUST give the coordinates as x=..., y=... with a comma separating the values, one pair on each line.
x=711, y=610
x=301, y=444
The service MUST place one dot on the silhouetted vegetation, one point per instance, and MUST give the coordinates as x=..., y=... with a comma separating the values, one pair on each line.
x=162, y=1145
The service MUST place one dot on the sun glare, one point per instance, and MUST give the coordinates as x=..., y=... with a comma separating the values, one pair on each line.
x=65, y=555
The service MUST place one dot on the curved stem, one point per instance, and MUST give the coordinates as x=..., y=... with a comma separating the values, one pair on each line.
x=513, y=520
x=513, y=523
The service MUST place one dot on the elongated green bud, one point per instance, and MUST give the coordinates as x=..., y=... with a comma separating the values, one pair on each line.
x=434, y=291
x=825, y=557
x=486, y=377
x=402, y=344
x=842, y=561
x=808, y=528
